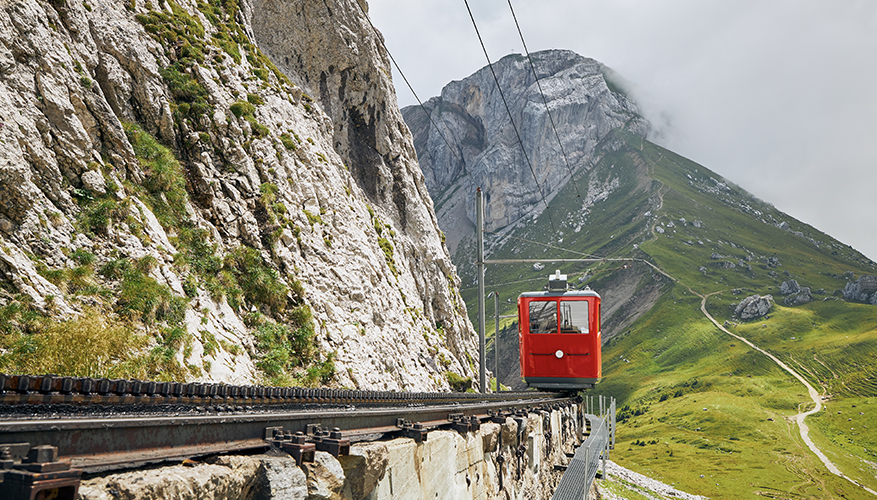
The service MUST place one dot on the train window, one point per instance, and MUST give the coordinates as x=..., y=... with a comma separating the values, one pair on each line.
x=543, y=316
x=574, y=316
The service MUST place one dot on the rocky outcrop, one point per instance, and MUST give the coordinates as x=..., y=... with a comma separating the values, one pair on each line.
x=802, y=296
x=754, y=306
x=790, y=287
x=795, y=293
x=586, y=105
x=447, y=465
x=862, y=290
x=245, y=196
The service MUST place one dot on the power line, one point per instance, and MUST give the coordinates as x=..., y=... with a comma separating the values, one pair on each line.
x=547, y=245
x=593, y=273
x=419, y=102
x=544, y=101
x=511, y=120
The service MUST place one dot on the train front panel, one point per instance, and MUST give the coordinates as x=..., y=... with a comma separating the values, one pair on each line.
x=559, y=337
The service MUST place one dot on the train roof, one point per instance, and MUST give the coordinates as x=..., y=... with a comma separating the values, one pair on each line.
x=562, y=293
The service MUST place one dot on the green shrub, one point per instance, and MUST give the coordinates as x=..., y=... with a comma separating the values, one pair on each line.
x=457, y=382
x=320, y=373
x=142, y=298
x=82, y=257
x=165, y=179
x=287, y=141
x=259, y=283
x=88, y=346
x=242, y=108
x=74, y=281
x=313, y=218
x=182, y=85
x=96, y=217
x=387, y=247
x=259, y=130
x=282, y=348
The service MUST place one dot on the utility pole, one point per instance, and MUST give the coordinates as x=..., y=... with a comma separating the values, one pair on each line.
x=479, y=238
x=496, y=339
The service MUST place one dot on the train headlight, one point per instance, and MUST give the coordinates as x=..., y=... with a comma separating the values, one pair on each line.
x=559, y=354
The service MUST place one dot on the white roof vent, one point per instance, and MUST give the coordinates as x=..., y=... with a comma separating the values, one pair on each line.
x=557, y=281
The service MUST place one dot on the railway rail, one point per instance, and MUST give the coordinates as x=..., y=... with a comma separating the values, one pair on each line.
x=52, y=429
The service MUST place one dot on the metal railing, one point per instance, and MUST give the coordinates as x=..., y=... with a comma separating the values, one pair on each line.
x=582, y=468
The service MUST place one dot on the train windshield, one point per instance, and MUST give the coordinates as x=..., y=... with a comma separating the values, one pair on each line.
x=543, y=316
x=574, y=316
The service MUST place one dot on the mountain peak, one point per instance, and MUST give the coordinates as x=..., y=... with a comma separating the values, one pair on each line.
x=485, y=151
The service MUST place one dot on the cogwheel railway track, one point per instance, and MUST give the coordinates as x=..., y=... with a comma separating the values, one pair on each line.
x=54, y=428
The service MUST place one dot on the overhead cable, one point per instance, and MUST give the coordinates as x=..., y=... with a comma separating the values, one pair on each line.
x=544, y=101
x=511, y=120
x=419, y=102
x=589, y=255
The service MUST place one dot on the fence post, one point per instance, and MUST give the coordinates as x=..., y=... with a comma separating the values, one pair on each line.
x=587, y=471
x=613, y=424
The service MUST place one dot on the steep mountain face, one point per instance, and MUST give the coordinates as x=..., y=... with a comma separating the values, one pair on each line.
x=482, y=147
x=627, y=198
x=228, y=186
x=684, y=241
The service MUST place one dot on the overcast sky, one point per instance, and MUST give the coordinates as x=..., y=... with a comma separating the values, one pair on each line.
x=779, y=97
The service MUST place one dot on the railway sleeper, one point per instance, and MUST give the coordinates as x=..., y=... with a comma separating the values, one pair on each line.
x=463, y=424
x=29, y=472
x=332, y=441
x=415, y=431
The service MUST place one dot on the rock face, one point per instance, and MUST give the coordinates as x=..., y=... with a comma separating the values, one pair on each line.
x=471, y=113
x=862, y=290
x=175, y=146
x=448, y=465
x=754, y=306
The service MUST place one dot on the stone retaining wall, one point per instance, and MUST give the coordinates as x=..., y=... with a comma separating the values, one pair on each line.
x=448, y=465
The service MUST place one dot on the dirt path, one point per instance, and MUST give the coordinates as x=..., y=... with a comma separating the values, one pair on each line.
x=814, y=395
x=799, y=418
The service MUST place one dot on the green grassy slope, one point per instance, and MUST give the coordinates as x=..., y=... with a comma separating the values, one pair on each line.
x=696, y=401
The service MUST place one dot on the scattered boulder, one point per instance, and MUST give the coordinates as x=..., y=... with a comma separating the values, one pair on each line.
x=802, y=296
x=790, y=287
x=862, y=290
x=754, y=306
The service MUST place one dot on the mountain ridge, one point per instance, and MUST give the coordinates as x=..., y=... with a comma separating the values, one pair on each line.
x=471, y=111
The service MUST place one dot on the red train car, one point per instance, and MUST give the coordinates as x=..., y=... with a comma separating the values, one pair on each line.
x=559, y=336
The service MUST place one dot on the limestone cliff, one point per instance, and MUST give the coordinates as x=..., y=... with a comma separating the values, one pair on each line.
x=585, y=106
x=227, y=185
